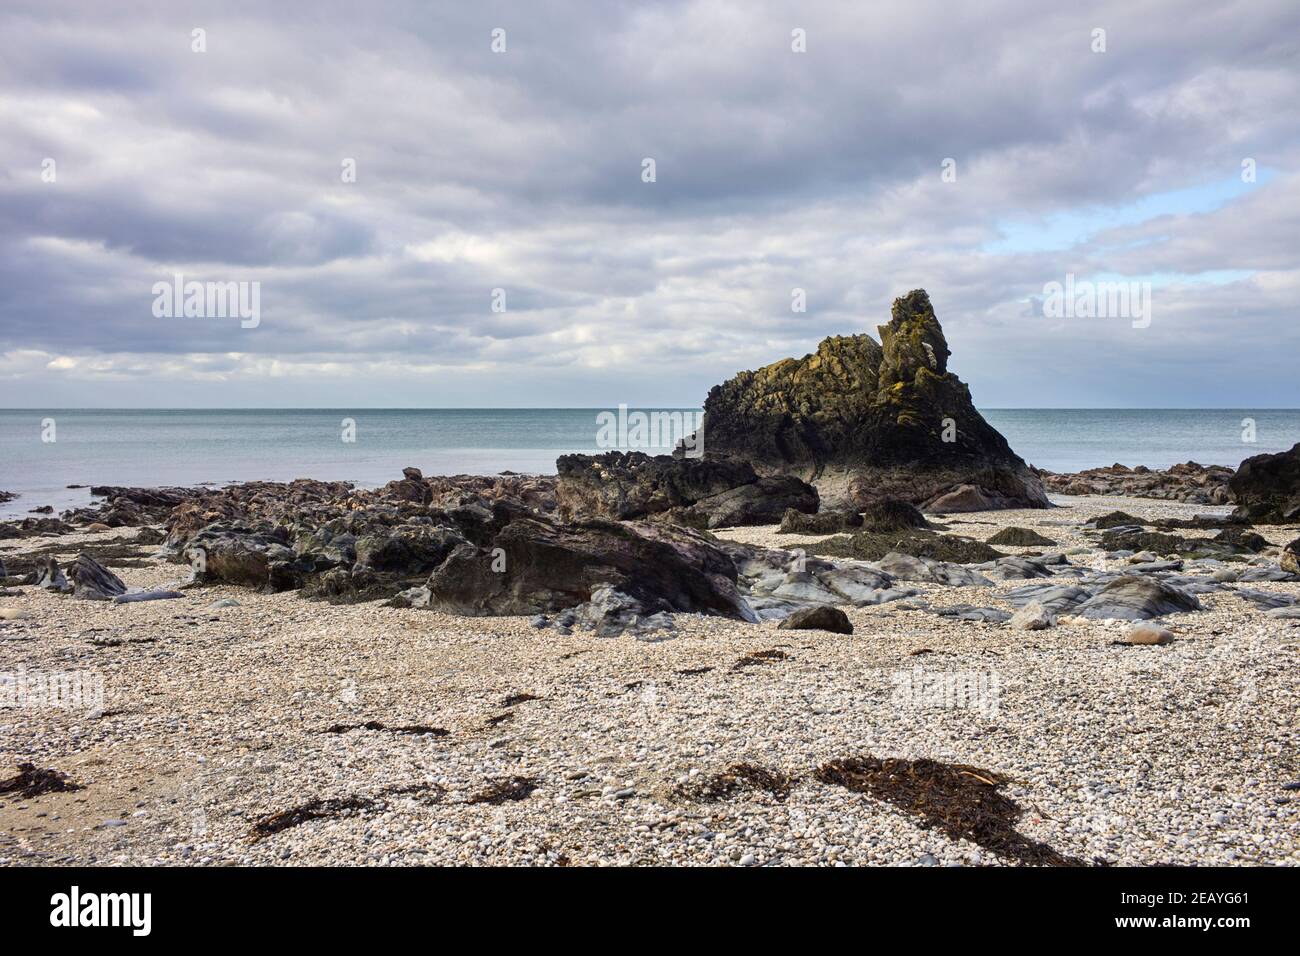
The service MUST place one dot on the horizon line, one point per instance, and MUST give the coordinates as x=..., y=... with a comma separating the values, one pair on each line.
x=596, y=408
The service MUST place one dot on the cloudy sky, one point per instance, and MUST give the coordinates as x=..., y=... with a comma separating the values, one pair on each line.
x=127, y=156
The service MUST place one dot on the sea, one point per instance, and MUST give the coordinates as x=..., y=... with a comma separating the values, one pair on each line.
x=42, y=452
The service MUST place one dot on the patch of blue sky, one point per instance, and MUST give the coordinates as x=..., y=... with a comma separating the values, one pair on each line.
x=1066, y=229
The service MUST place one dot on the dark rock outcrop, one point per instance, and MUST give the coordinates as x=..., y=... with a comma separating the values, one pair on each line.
x=254, y=557
x=1020, y=538
x=697, y=492
x=886, y=515
x=474, y=557
x=862, y=420
x=34, y=528
x=6, y=497
x=873, y=546
x=821, y=617
x=1116, y=519
x=1189, y=481
x=823, y=522
x=1290, y=560
x=91, y=581
x=1267, y=488
x=131, y=507
x=1228, y=542
x=535, y=564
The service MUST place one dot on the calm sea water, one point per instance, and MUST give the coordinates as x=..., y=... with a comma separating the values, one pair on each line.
x=183, y=447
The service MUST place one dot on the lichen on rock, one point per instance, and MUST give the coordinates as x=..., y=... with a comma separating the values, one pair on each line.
x=862, y=420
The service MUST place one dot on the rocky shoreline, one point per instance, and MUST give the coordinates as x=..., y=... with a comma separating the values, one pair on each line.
x=493, y=740
x=1188, y=482
x=674, y=658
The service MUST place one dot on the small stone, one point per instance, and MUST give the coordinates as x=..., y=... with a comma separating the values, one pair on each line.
x=12, y=614
x=1032, y=617
x=747, y=860
x=1145, y=633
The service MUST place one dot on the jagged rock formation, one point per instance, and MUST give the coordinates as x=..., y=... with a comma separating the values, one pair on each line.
x=479, y=557
x=697, y=492
x=91, y=581
x=1267, y=488
x=1189, y=481
x=862, y=421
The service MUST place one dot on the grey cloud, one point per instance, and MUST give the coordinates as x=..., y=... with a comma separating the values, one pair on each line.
x=522, y=171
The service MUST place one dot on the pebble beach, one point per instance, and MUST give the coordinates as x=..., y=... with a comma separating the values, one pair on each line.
x=260, y=729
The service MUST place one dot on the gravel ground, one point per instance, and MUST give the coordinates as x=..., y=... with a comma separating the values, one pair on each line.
x=217, y=718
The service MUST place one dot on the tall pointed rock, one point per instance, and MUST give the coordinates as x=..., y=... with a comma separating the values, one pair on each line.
x=862, y=421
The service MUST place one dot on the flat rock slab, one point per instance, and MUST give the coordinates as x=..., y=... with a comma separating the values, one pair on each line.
x=1136, y=598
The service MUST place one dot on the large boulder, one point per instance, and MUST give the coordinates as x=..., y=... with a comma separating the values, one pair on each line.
x=1137, y=598
x=823, y=522
x=91, y=581
x=888, y=514
x=407, y=548
x=534, y=564
x=1290, y=560
x=1267, y=488
x=863, y=420
x=764, y=501
x=697, y=492
x=254, y=557
x=821, y=617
